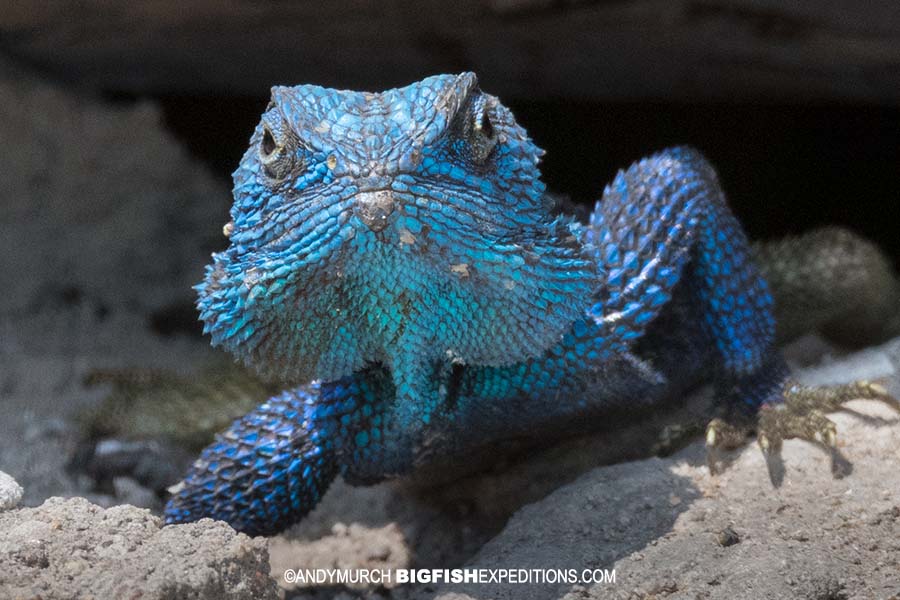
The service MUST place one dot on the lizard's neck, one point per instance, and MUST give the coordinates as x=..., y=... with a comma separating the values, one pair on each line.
x=413, y=292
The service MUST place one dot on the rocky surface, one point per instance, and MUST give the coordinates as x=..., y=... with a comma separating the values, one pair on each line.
x=669, y=530
x=10, y=492
x=346, y=547
x=102, y=206
x=75, y=549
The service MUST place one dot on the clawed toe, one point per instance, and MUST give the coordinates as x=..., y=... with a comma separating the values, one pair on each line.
x=721, y=436
x=800, y=416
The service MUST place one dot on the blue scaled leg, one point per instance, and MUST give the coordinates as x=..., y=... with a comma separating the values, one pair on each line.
x=663, y=219
x=272, y=466
x=736, y=309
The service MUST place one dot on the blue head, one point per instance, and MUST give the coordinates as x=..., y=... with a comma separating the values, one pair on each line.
x=355, y=210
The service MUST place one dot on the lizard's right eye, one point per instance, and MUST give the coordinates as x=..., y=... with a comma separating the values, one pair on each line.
x=476, y=128
x=483, y=135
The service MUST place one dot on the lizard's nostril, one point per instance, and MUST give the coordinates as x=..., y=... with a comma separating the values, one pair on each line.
x=375, y=208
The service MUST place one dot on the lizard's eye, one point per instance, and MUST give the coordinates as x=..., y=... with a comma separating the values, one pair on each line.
x=482, y=133
x=277, y=152
x=268, y=146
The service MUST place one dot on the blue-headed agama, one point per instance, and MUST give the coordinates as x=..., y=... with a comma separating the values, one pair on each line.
x=395, y=260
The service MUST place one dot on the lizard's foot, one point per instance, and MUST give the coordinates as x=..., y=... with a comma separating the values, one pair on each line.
x=722, y=435
x=800, y=416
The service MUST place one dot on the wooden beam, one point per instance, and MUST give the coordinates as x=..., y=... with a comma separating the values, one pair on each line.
x=745, y=50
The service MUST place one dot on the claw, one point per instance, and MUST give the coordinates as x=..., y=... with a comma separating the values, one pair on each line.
x=878, y=391
x=713, y=456
x=711, y=435
x=831, y=435
x=712, y=461
x=800, y=416
x=721, y=435
x=875, y=388
x=774, y=466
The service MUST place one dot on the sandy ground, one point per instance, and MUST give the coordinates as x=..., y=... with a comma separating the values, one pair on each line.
x=102, y=233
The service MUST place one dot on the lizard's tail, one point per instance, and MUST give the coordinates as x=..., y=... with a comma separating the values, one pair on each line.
x=833, y=281
x=265, y=472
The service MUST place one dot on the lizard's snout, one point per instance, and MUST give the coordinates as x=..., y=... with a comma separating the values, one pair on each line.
x=374, y=208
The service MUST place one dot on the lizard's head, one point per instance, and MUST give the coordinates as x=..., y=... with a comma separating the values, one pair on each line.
x=331, y=176
x=356, y=154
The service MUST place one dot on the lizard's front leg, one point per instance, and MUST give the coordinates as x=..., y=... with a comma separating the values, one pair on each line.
x=796, y=411
x=732, y=306
x=272, y=466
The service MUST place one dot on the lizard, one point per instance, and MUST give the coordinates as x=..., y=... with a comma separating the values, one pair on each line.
x=395, y=261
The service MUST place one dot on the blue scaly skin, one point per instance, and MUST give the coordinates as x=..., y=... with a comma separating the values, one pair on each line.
x=398, y=250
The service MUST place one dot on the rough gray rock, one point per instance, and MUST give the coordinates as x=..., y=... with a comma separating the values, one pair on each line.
x=662, y=524
x=10, y=492
x=347, y=547
x=659, y=523
x=100, y=202
x=74, y=549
